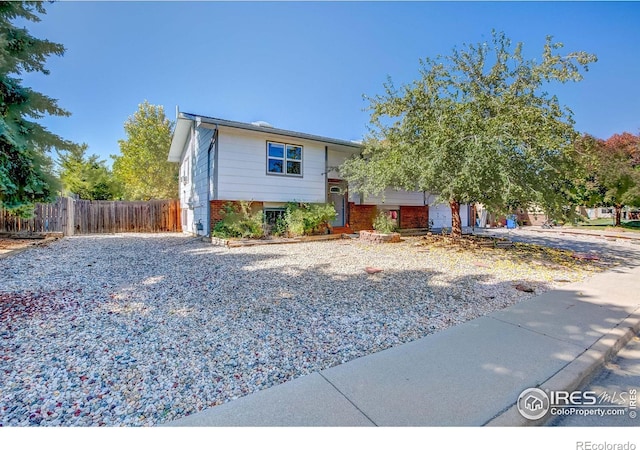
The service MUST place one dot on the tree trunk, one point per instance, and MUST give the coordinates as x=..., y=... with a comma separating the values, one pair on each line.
x=618, y=215
x=456, y=223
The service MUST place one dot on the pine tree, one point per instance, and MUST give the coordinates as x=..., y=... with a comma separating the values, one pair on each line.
x=25, y=165
x=88, y=177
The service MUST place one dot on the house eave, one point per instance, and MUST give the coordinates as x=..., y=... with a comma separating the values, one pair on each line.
x=180, y=136
x=187, y=117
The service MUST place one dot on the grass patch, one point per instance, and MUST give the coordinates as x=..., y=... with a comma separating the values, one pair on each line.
x=607, y=224
x=597, y=222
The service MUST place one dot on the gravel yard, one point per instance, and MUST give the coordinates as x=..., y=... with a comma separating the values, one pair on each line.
x=143, y=329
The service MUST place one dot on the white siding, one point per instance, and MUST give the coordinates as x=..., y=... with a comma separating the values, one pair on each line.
x=336, y=158
x=200, y=196
x=193, y=192
x=354, y=197
x=242, y=169
x=392, y=197
x=185, y=185
x=440, y=214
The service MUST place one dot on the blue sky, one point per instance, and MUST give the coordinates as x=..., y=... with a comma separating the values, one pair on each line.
x=305, y=66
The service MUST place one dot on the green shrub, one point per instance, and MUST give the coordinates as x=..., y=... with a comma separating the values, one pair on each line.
x=383, y=223
x=280, y=227
x=305, y=218
x=294, y=218
x=238, y=221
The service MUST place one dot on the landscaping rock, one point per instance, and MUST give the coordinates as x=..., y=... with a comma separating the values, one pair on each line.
x=164, y=325
x=585, y=256
x=379, y=238
x=524, y=288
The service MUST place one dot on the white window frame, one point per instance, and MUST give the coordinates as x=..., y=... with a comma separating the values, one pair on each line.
x=285, y=159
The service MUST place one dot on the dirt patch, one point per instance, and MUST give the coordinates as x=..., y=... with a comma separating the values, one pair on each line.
x=11, y=245
x=491, y=249
x=14, y=244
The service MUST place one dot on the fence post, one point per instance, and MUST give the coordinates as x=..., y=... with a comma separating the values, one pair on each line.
x=69, y=225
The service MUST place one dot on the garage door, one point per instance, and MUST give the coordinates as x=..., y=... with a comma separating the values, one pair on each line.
x=441, y=215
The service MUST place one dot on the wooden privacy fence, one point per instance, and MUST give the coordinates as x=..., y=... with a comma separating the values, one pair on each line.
x=48, y=217
x=71, y=216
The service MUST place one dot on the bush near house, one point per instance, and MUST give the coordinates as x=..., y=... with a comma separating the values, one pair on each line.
x=383, y=223
x=307, y=218
x=279, y=228
x=239, y=221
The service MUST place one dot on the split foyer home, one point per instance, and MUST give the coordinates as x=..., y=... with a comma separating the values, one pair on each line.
x=225, y=161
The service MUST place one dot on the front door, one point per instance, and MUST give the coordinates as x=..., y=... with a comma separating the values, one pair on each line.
x=336, y=196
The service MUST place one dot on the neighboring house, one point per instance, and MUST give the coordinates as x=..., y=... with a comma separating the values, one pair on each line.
x=600, y=213
x=225, y=161
x=607, y=212
x=532, y=216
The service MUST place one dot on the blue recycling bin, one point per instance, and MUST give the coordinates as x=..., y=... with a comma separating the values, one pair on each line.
x=511, y=222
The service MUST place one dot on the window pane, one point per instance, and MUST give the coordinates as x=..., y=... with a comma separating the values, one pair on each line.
x=275, y=165
x=294, y=168
x=294, y=152
x=276, y=150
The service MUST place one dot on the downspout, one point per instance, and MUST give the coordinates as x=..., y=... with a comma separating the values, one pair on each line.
x=192, y=185
x=326, y=174
x=212, y=145
x=215, y=165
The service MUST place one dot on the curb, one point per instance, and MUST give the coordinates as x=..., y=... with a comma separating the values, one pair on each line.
x=578, y=372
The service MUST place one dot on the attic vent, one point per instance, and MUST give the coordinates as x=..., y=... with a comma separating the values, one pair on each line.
x=334, y=190
x=262, y=123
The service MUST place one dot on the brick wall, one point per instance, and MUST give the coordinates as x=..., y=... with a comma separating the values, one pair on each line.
x=531, y=218
x=414, y=217
x=361, y=216
x=217, y=205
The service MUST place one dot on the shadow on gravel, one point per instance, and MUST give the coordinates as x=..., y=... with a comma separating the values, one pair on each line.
x=183, y=326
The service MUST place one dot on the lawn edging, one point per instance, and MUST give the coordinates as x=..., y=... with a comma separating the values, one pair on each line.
x=234, y=243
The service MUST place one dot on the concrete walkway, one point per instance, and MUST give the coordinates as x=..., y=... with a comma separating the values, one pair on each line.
x=467, y=375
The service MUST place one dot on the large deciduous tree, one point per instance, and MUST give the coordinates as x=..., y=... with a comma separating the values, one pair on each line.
x=611, y=171
x=86, y=176
x=25, y=164
x=142, y=168
x=476, y=127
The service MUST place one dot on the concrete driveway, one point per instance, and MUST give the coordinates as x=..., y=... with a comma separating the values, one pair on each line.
x=623, y=251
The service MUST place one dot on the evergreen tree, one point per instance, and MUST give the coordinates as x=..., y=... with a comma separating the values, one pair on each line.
x=25, y=165
x=86, y=176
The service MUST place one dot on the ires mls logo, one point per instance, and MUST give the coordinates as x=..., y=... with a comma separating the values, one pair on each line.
x=533, y=403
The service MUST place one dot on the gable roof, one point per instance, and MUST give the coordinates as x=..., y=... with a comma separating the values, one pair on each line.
x=185, y=120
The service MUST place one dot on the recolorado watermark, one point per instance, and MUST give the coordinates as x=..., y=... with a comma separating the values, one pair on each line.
x=588, y=445
x=535, y=403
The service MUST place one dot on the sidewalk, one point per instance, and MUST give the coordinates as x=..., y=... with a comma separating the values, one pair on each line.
x=467, y=375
